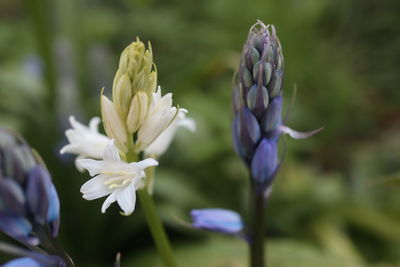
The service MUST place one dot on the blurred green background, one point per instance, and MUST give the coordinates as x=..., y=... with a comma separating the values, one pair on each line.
x=336, y=201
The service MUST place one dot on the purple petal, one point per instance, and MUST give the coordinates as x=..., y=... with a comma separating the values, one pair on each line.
x=248, y=131
x=217, y=220
x=272, y=117
x=11, y=197
x=23, y=262
x=18, y=228
x=36, y=194
x=34, y=259
x=265, y=161
x=53, y=212
x=236, y=140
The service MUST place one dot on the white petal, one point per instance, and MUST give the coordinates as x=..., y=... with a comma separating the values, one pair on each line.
x=110, y=199
x=94, y=124
x=298, y=135
x=113, y=123
x=143, y=164
x=111, y=152
x=67, y=149
x=95, y=188
x=187, y=123
x=74, y=123
x=92, y=166
x=126, y=199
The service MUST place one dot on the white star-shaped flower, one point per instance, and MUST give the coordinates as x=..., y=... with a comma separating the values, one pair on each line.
x=114, y=177
x=160, y=115
x=161, y=144
x=84, y=141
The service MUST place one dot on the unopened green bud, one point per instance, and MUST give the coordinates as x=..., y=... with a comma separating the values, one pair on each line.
x=265, y=69
x=275, y=87
x=137, y=112
x=136, y=73
x=257, y=100
x=123, y=94
x=247, y=78
x=113, y=124
x=253, y=56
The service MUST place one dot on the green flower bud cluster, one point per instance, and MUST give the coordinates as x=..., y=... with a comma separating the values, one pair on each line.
x=134, y=84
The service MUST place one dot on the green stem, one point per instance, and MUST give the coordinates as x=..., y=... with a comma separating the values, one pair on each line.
x=156, y=228
x=257, y=230
x=37, y=10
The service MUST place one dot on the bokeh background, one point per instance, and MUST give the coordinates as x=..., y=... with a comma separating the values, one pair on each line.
x=336, y=201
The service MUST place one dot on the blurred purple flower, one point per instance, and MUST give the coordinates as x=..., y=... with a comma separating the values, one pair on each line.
x=217, y=220
x=28, y=198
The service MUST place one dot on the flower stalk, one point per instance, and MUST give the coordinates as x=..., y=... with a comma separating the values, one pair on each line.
x=153, y=220
x=256, y=234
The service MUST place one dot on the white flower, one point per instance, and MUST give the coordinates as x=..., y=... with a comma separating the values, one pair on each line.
x=113, y=123
x=160, y=115
x=84, y=141
x=161, y=144
x=114, y=177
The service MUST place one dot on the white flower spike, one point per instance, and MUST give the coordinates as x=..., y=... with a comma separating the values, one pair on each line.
x=84, y=141
x=161, y=144
x=160, y=115
x=114, y=177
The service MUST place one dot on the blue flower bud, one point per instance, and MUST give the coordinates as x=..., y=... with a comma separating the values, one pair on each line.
x=25, y=262
x=37, y=260
x=272, y=117
x=36, y=193
x=257, y=123
x=248, y=131
x=12, y=200
x=28, y=198
x=257, y=100
x=274, y=88
x=18, y=228
x=252, y=57
x=265, y=70
x=265, y=161
x=236, y=138
x=217, y=220
x=247, y=78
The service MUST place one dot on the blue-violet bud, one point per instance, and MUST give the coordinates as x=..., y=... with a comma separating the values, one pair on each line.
x=28, y=198
x=217, y=220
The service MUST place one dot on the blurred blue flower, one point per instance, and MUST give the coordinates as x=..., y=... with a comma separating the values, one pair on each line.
x=217, y=220
x=38, y=260
x=28, y=198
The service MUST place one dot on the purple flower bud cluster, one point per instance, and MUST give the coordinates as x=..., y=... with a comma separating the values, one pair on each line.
x=257, y=102
x=29, y=204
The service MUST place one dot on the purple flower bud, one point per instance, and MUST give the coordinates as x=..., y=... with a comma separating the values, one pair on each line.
x=217, y=220
x=36, y=194
x=274, y=88
x=248, y=131
x=25, y=262
x=265, y=161
x=37, y=260
x=28, y=197
x=12, y=200
x=257, y=100
x=259, y=82
x=272, y=117
x=236, y=138
x=18, y=228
